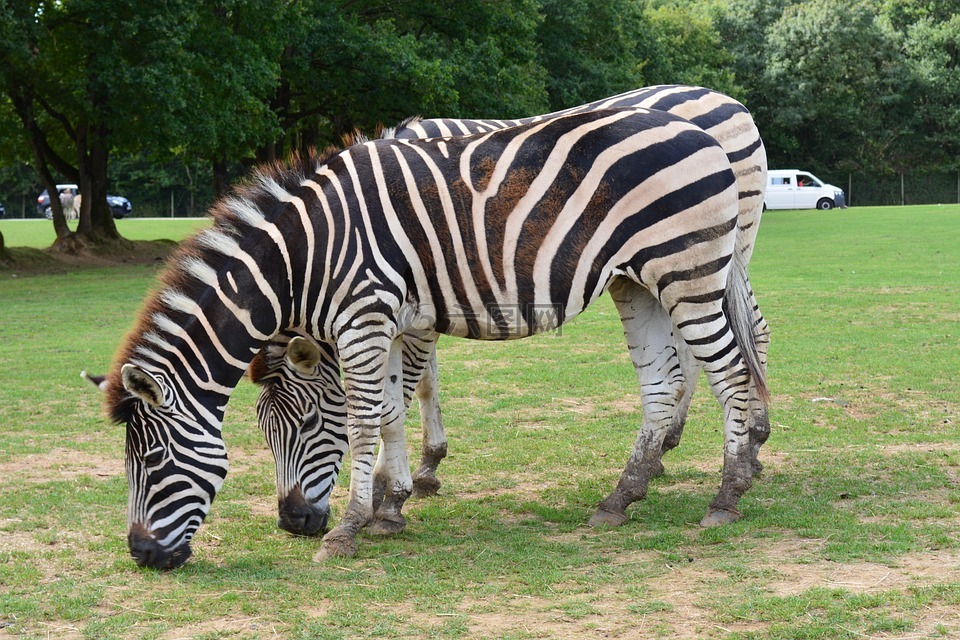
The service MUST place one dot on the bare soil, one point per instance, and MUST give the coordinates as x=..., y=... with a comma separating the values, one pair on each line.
x=27, y=261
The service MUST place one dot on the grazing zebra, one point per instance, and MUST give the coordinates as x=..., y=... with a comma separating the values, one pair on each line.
x=492, y=236
x=316, y=457
x=302, y=412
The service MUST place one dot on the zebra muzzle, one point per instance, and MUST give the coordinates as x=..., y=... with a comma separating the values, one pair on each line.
x=147, y=552
x=300, y=517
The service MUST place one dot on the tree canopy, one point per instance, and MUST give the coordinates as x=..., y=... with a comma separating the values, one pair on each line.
x=183, y=94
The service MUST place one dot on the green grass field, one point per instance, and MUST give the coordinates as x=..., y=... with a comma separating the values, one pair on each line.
x=852, y=531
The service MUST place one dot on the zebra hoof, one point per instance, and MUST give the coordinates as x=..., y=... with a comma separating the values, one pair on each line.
x=387, y=526
x=336, y=548
x=718, y=517
x=425, y=486
x=336, y=545
x=603, y=518
x=379, y=491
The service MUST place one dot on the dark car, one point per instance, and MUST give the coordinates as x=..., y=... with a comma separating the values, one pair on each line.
x=119, y=205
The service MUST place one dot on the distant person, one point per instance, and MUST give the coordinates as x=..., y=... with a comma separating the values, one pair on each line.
x=66, y=202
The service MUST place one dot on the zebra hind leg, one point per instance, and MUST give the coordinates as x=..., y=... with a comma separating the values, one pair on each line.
x=719, y=337
x=758, y=418
x=759, y=414
x=690, y=368
x=649, y=337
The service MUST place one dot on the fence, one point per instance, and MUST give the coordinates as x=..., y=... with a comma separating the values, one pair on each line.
x=914, y=187
x=176, y=203
x=861, y=189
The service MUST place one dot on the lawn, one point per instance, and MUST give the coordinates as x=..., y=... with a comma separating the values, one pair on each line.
x=39, y=234
x=852, y=530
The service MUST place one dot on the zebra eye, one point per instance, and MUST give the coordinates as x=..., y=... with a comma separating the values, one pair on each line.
x=310, y=421
x=153, y=458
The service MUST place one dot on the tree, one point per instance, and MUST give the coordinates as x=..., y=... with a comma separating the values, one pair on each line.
x=89, y=77
x=5, y=257
x=361, y=63
x=932, y=50
x=591, y=50
x=831, y=77
x=235, y=51
x=689, y=51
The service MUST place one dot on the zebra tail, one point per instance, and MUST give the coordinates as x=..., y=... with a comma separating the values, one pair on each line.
x=739, y=309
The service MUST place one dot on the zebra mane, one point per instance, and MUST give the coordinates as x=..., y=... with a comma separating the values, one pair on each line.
x=390, y=133
x=178, y=281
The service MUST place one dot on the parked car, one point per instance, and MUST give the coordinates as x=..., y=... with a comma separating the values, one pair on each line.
x=3, y=211
x=793, y=189
x=119, y=205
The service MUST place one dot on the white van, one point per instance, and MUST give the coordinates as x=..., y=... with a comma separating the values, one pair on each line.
x=793, y=189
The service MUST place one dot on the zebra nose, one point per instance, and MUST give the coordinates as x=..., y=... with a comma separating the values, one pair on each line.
x=147, y=552
x=299, y=517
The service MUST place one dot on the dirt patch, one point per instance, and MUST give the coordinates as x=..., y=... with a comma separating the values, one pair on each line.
x=27, y=261
x=251, y=627
x=911, y=570
x=62, y=464
x=576, y=406
x=517, y=485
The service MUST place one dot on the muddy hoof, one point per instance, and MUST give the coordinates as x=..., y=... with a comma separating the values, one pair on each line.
x=604, y=518
x=387, y=526
x=379, y=490
x=425, y=486
x=336, y=548
x=717, y=517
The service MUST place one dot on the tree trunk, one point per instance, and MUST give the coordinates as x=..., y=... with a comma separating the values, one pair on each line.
x=64, y=235
x=23, y=103
x=96, y=219
x=221, y=182
x=5, y=257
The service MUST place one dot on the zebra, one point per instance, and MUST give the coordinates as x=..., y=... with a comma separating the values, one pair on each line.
x=722, y=117
x=472, y=237
x=302, y=412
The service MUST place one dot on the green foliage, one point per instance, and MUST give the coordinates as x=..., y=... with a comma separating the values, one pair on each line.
x=591, y=50
x=932, y=48
x=183, y=95
x=837, y=52
x=688, y=50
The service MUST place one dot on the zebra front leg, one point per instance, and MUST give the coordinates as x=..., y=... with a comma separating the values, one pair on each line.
x=365, y=371
x=434, y=448
x=648, y=331
x=420, y=378
x=392, y=471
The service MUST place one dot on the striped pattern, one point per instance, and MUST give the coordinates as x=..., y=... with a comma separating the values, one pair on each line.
x=306, y=433
x=727, y=121
x=493, y=236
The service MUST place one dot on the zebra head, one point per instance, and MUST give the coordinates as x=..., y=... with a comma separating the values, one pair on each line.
x=175, y=465
x=302, y=411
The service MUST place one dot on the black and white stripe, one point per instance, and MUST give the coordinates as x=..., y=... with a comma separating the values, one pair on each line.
x=471, y=236
x=727, y=121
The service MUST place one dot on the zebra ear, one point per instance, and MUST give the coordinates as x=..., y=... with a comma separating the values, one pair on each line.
x=141, y=384
x=302, y=354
